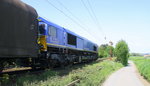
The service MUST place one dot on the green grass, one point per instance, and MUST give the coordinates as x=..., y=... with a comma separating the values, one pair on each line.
x=143, y=66
x=92, y=74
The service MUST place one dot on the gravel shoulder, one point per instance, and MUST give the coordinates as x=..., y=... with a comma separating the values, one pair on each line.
x=126, y=76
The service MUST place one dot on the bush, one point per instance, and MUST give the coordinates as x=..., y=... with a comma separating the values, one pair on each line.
x=106, y=50
x=103, y=51
x=122, y=52
x=110, y=51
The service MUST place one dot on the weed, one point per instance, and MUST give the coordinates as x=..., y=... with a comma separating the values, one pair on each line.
x=92, y=74
x=143, y=66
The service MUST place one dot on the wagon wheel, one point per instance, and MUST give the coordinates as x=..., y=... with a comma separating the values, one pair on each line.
x=53, y=63
x=1, y=66
x=34, y=67
x=48, y=62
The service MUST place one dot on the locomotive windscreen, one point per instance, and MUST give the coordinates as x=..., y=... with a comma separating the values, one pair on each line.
x=18, y=29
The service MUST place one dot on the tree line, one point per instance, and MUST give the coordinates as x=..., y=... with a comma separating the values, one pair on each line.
x=121, y=51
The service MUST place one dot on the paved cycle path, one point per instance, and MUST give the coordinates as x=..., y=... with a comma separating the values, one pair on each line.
x=126, y=76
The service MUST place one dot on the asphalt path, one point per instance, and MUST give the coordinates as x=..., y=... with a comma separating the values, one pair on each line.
x=126, y=76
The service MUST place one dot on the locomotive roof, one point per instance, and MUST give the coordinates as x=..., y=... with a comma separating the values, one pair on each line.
x=50, y=23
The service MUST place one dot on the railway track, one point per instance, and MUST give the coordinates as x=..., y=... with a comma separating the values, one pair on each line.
x=16, y=70
x=29, y=69
x=11, y=74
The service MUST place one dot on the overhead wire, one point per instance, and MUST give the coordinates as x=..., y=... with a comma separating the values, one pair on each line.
x=93, y=17
x=67, y=9
x=87, y=10
x=71, y=12
x=100, y=28
x=70, y=18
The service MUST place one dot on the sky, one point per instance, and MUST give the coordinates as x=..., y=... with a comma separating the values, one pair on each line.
x=101, y=21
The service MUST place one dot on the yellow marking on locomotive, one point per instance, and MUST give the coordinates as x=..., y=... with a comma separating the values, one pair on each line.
x=42, y=41
x=55, y=45
x=39, y=20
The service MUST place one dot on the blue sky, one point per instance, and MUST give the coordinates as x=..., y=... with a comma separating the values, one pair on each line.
x=118, y=19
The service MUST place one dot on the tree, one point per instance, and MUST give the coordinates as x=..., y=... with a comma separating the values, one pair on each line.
x=110, y=50
x=106, y=50
x=103, y=50
x=122, y=52
x=135, y=54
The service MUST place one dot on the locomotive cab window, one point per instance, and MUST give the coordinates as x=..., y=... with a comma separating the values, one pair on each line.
x=72, y=40
x=42, y=29
x=52, y=31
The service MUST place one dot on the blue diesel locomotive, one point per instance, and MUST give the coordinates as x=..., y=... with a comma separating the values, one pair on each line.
x=33, y=41
x=64, y=46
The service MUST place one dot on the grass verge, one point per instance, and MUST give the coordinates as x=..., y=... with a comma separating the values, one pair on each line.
x=143, y=66
x=92, y=74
